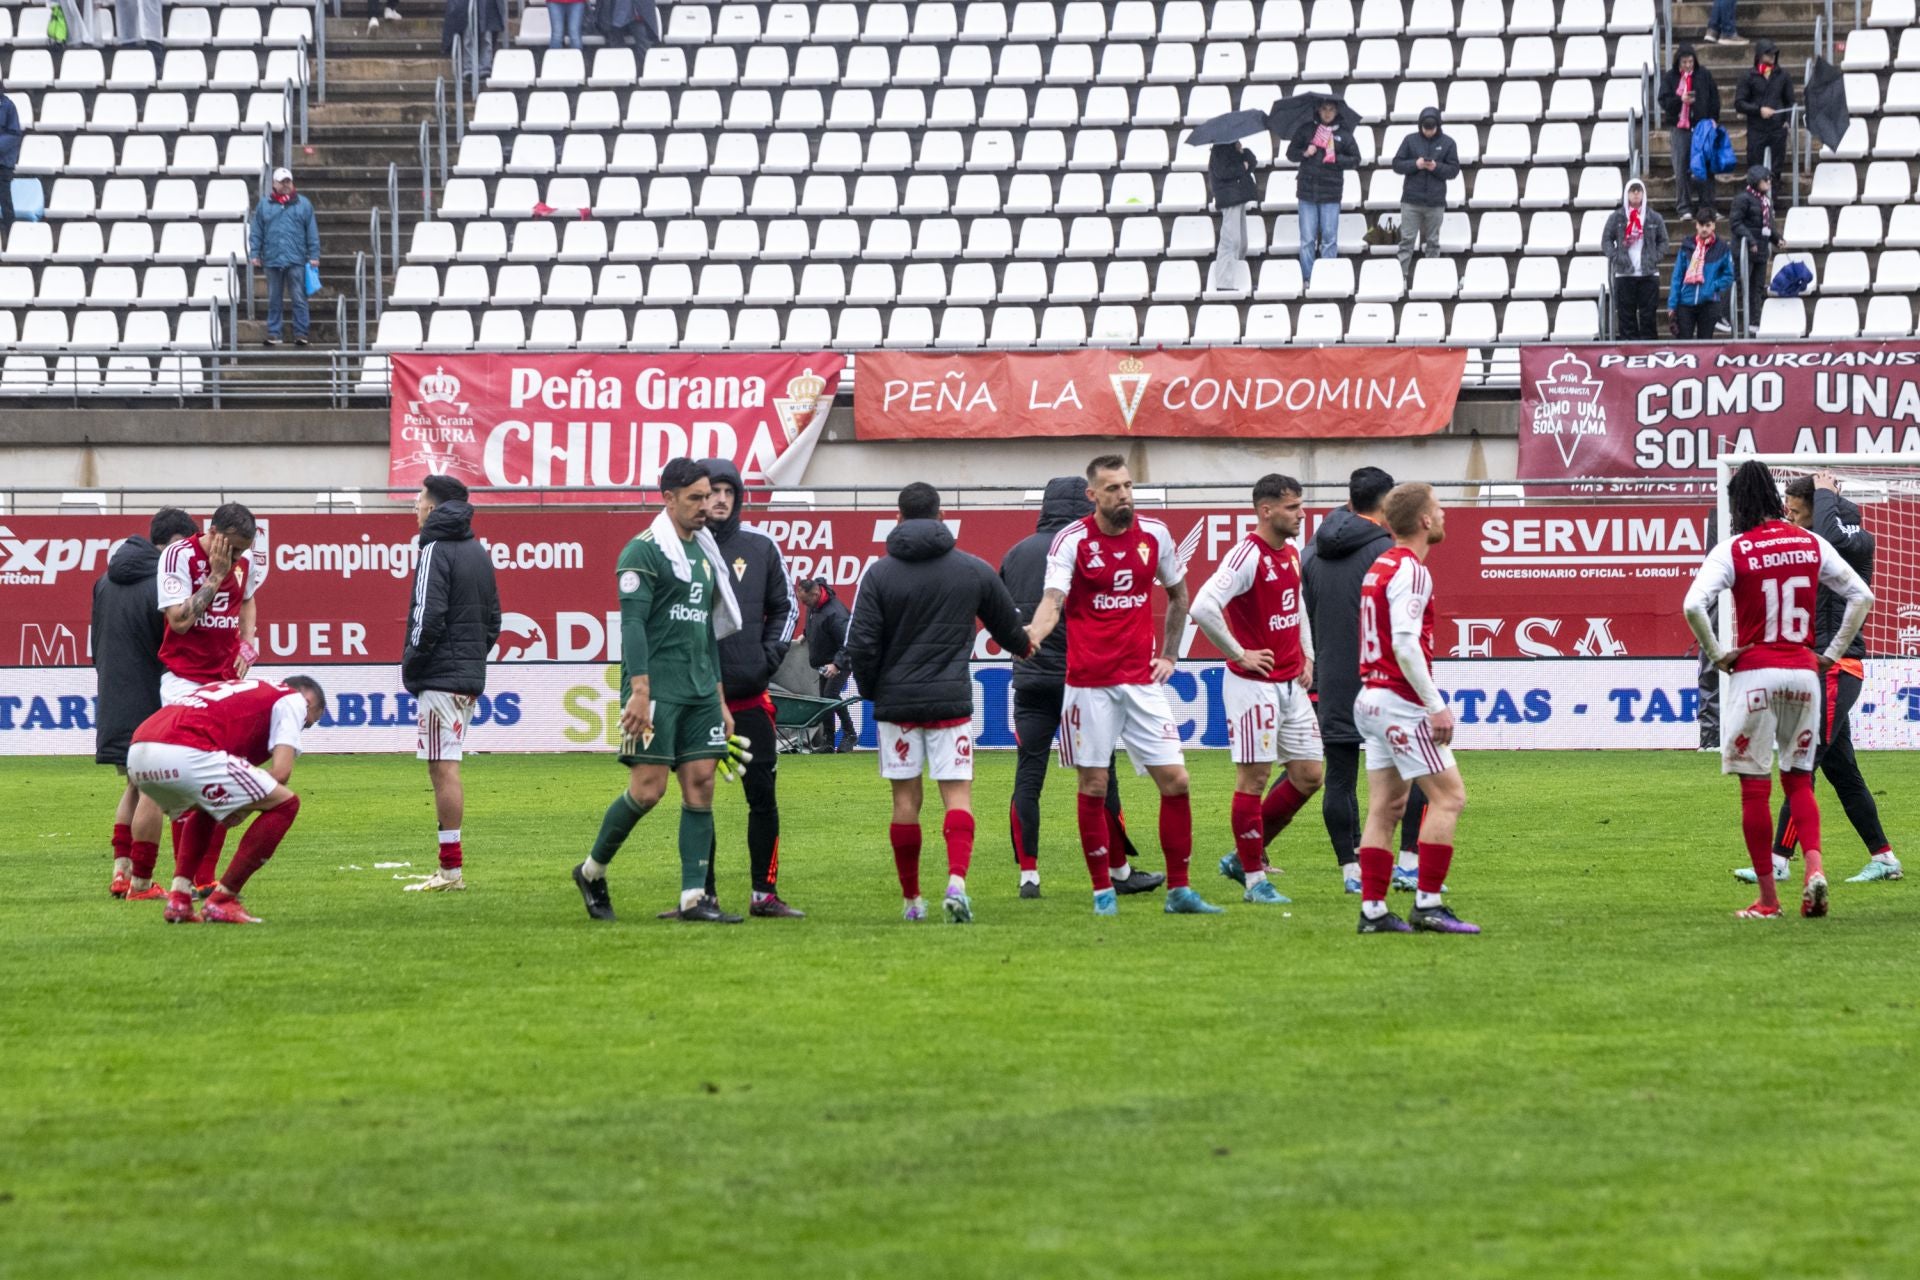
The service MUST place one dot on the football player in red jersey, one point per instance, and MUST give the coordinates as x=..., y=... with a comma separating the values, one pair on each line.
x=1775, y=571
x=1254, y=611
x=1100, y=572
x=206, y=590
x=1404, y=723
x=199, y=760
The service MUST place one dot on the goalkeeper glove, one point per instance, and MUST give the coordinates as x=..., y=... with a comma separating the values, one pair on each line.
x=732, y=766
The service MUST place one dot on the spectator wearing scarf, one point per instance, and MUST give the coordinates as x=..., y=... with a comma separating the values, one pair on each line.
x=1635, y=242
x=1757, y=233
x=285, y=239
x=1702, y=274
x=1325, y=152
x=1688, y=95
x=1765, y=97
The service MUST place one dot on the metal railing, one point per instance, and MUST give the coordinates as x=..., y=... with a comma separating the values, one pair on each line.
x=216, y=376
x=440, y=119
x=360, y=301
x=426, y=173
x=473, y=45
x=320, y=44
x=340, y=330
x=459, y=93
x=393, y=207
x=303, y=101
x=379, y=274
x=1640, y=157
x=1663, y=38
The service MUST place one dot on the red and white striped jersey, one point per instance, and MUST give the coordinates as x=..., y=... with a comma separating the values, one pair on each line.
x=1108, y=581
x=244, y=718
x=1258, y=590
x=206, y=651
x=1396, y=598
x=1775, y=571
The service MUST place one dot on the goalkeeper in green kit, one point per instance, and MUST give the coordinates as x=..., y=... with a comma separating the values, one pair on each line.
x=675, y=607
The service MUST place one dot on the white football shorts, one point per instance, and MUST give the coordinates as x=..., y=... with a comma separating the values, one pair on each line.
x=1096, y=722
x=1269, y=721
x=174, y=689
x=945, y=751
x=181, y=778
x=1770, y=709
x=1396, y=735
x=441, y=723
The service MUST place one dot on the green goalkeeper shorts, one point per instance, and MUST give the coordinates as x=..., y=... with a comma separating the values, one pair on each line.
x=682, y=731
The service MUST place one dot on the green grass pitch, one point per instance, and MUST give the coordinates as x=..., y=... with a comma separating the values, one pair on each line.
x=1617, y=1079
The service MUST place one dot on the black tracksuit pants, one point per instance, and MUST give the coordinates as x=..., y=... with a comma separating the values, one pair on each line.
x=1036, y=715
x=1340, y=803
x=763, y=810
x=1835, y=758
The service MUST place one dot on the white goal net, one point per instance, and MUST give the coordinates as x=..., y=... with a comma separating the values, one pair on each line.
x=1885, y=492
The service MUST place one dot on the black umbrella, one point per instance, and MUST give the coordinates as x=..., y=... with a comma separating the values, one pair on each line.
x=1826, y=99
x=1230, y=127
x=1289, y=114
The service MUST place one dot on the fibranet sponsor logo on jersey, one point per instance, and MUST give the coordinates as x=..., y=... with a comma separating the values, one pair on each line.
x=687, y=613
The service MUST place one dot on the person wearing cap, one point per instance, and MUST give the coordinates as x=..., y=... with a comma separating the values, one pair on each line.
x=1756, y=236
x=285, y=240
x=1765, y=98
x=1426, y=162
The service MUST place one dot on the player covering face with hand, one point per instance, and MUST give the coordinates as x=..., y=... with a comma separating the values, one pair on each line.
x=1254, y=611
x=1775, y=571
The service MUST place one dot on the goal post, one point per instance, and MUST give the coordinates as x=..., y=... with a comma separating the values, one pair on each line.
x=1886, y=490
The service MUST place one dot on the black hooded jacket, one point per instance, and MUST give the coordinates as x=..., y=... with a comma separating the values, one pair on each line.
x=1706, y=92
x=1757, y=91
x=127, y=629
x=1426, y=188
x=750, y=656
x=827, y=632
x=1316, y=181
x=1343, y=549
x=1025, y=573
x=1754, y=218
x=454, y=618
x=1838, y=521
x=912, y=629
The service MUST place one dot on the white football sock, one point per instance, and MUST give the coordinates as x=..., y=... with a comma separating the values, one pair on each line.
x=691, y=897
x=1029, y=877
x=182, y=885
x=956, y=884
x=1372, y=910
x=592, y=870
x=450, y=837
x=1349, y=871
x=140, y=886
x=1780, y=867
x=1409, y=859
x=450, y=873
x=122, y=864
x=1256, y=877
x=1885, y=856
x=1122, y=872
x=760, y=897
x=1426, y=901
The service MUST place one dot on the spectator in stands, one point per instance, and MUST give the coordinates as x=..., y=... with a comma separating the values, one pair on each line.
x=827, y=621
x=1230, y=175
x=635, y=23
x=565, y=19
x=492, y=15
x=10, y=135
x=1325, y=152
x=374, y=15
x=1720, y=27
x=1426, y=162
x=286, y=240
x=1635, y=242
x=1757, y=233
x=1688, y=95
x=139, y=24
x=1765, y=97
x=1702, y=274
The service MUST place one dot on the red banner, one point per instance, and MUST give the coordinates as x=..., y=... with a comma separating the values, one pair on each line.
x=1661, y=414
x=604, y=421
x=1230, y=392
x=1513, y=582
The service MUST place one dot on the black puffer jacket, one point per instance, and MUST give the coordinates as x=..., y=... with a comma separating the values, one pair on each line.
x=1706, y=92
x=912, y=629
x=1757, y=91
x=1025, y=573
x=127, y=629
x=750, y=656
x=455, y=615
x=1344, y=548
x=1426, y=188
x=1230, y=174
x=1319, y=182
x=1838, y=521
x=827, y=632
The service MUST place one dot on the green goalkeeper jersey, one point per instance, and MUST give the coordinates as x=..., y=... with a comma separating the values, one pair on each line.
x=666, y=625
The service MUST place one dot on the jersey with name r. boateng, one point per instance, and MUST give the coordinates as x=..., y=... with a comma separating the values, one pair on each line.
x=1108, y=580
x=1396, y=597
x=1775, y=571
x=206, y=651
x=1260, y=588
x=666, y=625
x=244, y=718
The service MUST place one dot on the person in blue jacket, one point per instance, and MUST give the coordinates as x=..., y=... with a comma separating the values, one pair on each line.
x=285, y=240
x=1702, y=274
x=10, y=135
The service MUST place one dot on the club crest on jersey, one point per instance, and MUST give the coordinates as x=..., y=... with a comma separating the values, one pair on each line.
x=1142, y=549
x=739, y=568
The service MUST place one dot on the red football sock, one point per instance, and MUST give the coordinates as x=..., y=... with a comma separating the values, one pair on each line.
x=905, y=838
x=449, y=854
x=190, y=838
x=1021, y=854
x=258, y=844
x=144, y=854
x=1249, y=841
x=1092, y=813
x=1756, y=824
x=209, y=867
x=1806, y=816
x=1116, y=841
x=1434, y=861
x=1277, y=810
x=1376, y=871
x=958, y=830
x=1176, y=837
x=122, y=840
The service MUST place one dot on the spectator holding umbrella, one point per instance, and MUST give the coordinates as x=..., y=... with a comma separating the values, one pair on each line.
x=1765, y=98
x=1426, y=162
x=1323, y=146
x=1230, y=174
x=1688, y=95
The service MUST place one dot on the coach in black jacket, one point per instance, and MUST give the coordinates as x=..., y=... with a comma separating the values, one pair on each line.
x=1039, y=686
x=1814, y=502
x=452, y=625
x=127, y=629
x=748, y=659
x=910, y=641
x=827, y=652
x=1344, y=547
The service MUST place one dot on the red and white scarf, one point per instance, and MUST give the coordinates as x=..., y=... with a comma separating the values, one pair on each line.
x=1697, y=266
x=1686, y=108
x=1323, y=139
x=1636, y=225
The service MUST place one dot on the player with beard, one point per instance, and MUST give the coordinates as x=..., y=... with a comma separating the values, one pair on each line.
x=1100, y=572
